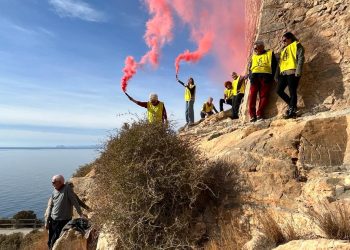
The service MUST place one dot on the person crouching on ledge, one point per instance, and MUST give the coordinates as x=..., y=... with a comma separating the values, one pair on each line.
x=208, y=108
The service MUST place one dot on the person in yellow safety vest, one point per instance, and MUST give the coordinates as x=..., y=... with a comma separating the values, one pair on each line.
x=228, y=95
x=262, y=68
x=156, y=111
x=208, y=108
x=238, y=87
x=290, y=66
x=190, y=96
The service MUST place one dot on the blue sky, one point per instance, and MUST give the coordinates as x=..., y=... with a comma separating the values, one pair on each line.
x=60, y=70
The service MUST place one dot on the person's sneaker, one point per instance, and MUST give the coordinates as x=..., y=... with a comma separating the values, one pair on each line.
x=253, y=119
x=234, y=117
x=259, y=118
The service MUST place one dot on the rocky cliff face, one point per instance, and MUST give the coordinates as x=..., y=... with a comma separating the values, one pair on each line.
x=323, y=29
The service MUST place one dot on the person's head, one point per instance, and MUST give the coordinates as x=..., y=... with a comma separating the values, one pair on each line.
x=234, y=75
x=190, y=81
x=228, y=84
x=259, y=47
x=210, y=100
x=57, y=181
x=288, y=38
x=153, y=98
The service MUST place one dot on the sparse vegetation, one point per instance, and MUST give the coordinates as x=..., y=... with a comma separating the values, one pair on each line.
x=153, y=188
x=333, y=220
x=83, y=170
x=232, y=236
x=11, y=242
x=276, y=233
x=16, y=241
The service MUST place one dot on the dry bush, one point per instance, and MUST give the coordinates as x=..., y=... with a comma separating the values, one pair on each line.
x=83, y=170
x=233, y=236
x=152, y=186
x=11, y=242
x=334, y=220
x=279, y=234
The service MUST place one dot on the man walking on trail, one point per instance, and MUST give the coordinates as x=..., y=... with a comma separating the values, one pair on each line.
x=61, y=208
x=262, y=70
x=208, y=108
x=238, y=87
x=228, y=94
x=290, y=65
x=156, y=111
x=190, y=96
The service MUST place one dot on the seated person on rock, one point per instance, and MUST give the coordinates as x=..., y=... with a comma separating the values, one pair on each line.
x=228, y=94
x=208, y=108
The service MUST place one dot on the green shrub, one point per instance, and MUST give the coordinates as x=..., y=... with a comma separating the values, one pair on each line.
x=152, y=188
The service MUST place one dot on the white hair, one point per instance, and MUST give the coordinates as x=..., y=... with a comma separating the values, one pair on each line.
x=153, y=96
x=259, y=42
x=58, y=177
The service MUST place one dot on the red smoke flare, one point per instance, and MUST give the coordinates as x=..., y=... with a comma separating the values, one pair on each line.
x=158, y=32
x=129, y=71
x=203, y=47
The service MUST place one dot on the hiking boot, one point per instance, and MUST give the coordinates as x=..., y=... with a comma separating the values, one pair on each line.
x=259, y=118
x=290, y=114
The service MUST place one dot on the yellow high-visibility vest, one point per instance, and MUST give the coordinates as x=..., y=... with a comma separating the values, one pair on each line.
x=262, y=63
x=188, y=96
x=155, y=113
x=235, y=85
x=208, y=108
x=229, y=93
x=288, y=58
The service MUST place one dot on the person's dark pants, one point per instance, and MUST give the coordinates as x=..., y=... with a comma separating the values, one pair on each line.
x=203, y=114
x=236, y=103
x=55, y=228
x=262, y=86
x=222, y=101
x=292, y=82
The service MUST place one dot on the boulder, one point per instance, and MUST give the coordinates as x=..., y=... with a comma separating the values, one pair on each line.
x=317, y=244
x=71, y=240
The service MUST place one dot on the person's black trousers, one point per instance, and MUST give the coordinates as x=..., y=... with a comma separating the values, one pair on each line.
x=203, y=114
x=222, y=101
x=55, y=228
x=236, y=103
x=292, y=82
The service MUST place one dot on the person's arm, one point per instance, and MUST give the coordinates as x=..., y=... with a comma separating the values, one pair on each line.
x=48, y=212
x=81, y=203
x=74, y=201
x=300, y=59
x=181, y=82
x=164, y=116
x=240, y=82
x=203, y=108
x=273, y=65
x=215, y=109
x=141, y=104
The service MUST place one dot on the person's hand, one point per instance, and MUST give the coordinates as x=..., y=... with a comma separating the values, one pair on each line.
x=83, y=216
x=297, y=74
x=177, y=77
x=46, y=226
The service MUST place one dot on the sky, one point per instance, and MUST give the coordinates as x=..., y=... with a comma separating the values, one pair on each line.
x=61, y=63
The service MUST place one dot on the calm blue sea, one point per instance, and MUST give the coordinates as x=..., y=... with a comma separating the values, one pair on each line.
x=25, y=176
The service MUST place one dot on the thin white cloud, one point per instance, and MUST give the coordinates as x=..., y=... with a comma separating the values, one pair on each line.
x=77, y=9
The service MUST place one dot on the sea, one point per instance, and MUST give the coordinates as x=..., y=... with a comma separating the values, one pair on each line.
x=25, y=175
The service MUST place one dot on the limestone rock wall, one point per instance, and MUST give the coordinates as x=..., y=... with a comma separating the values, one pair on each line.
x=323, y=28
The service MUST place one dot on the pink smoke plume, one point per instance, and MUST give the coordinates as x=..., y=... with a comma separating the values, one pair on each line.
x=226, y=24
x=204, y=46
x=158, y=33
x=129, y=71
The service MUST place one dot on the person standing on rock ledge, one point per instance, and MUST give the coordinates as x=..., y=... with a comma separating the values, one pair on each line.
x=61, y=208
x=208, y=108
x=290, y=66
x=190, y=95
x=156, y=111
x=262, y=70
x=238, y=86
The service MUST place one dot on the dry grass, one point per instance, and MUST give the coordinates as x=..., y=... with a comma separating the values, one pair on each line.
x=83, y=170
x=333, y=220
x=276, y=233
x=233, y=236
x=151, y=188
